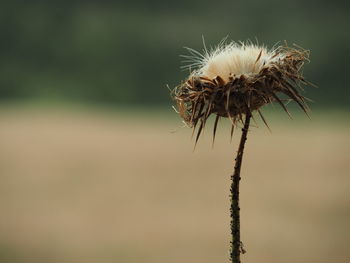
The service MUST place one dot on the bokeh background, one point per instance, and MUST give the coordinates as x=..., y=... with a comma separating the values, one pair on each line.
x=95, y=166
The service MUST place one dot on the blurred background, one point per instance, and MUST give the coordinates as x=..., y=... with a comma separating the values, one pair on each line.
x=95, y=166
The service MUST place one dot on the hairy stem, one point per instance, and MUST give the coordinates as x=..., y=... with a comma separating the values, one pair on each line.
x=236, y=244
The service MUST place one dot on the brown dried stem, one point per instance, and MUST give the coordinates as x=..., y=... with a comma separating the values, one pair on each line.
x=236, y=244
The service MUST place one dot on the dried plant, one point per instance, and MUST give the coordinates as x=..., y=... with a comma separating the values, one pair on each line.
x=234, y=80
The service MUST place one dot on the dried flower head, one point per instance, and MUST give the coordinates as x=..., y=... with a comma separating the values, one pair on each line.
x=235, y=79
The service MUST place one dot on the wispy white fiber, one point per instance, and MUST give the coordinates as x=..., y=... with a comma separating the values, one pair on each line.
x=230, y=60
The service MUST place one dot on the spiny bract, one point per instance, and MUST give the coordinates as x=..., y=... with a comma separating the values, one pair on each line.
x=235, y=79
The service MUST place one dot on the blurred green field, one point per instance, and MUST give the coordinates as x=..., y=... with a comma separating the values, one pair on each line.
x=102, y=186
x=126, y=52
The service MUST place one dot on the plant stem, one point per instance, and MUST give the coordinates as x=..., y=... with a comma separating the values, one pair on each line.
x=236, y=244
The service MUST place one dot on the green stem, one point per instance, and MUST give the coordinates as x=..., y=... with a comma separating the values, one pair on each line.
x=236, y=244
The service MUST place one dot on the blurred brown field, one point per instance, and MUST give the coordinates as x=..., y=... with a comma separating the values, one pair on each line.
x=95, y=186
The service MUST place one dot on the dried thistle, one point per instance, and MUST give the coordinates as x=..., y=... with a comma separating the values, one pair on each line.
x=233, y=81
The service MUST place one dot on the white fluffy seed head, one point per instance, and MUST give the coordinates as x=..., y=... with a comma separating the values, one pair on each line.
x=231, y=60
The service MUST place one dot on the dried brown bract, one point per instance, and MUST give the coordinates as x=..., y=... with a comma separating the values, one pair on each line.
x=237, y=79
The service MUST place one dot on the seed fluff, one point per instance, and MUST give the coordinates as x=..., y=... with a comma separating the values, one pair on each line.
x=236, y=79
